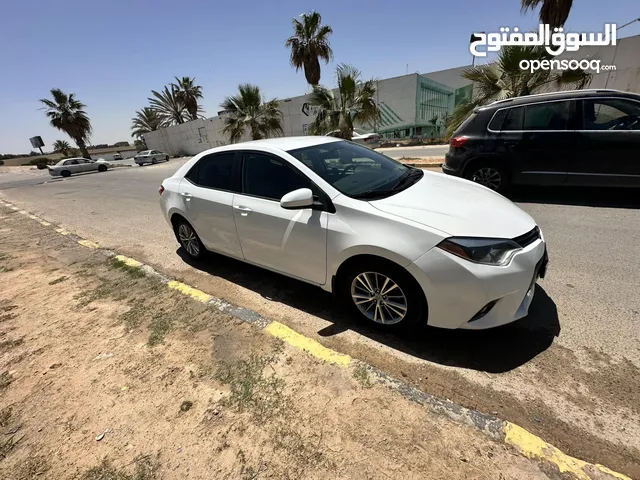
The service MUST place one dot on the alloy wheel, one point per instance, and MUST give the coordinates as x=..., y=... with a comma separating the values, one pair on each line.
x=188, y=240
x=488, y=176
x=379, y=298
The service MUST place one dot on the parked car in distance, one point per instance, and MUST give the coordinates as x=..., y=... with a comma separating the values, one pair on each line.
x=117, y=156
x=371, y=140
x=150, y=156
x=66, y=167
x=580, y=137
x=397, y=245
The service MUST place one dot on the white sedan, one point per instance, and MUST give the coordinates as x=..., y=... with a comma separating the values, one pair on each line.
x=368, y=139
x=397, y=245
x=150, y=156
x=68, y=166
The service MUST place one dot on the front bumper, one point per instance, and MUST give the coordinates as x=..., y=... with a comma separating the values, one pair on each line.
x=456, y=289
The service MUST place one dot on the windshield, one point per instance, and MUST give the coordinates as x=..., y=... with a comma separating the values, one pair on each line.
x=354, y=170
x=146, y=152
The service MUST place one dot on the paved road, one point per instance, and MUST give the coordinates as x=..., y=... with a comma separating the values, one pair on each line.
x=570, y=371
x=416, y=152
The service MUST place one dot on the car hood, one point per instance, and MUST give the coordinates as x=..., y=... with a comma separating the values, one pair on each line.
x=457, y=207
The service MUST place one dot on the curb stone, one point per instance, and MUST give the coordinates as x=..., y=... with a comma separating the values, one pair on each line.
x=528, y=444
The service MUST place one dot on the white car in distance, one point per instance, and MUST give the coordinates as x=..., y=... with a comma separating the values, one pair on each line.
x=68, y=166
x=150, y=156
x=368, y=139
x=397, y=245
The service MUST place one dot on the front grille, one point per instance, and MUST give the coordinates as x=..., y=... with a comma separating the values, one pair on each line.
x=528, y=238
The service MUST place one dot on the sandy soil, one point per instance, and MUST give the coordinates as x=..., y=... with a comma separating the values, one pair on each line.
x=105, y=373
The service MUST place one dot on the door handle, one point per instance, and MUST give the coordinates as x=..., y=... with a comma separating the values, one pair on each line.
x=186, y=195
x=244, y=211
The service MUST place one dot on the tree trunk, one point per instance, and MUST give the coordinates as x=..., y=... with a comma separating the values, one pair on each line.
x=83, y=149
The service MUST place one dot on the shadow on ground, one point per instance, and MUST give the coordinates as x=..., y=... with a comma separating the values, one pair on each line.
x=497, y=350
x=582, y=196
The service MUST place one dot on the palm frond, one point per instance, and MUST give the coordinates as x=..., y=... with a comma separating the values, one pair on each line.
x=248, y=111
x=309, y=44
x=553, y=12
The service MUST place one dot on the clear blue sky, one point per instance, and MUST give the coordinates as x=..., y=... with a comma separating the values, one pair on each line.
x=113, y=53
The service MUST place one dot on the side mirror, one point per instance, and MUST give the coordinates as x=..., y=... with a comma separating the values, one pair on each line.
x=301, y=198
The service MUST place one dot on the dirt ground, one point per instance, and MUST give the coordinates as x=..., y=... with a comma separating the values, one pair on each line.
x=107, y=374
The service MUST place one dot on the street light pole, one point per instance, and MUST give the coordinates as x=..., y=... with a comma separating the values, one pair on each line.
x=615, y=52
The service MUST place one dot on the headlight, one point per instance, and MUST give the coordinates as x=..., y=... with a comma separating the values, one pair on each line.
x=488, y=251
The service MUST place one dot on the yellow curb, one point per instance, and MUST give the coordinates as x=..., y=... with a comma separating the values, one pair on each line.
x=15, y=208
x=532, y=446
x=190, y=291
x=297, y=340
x=62, y=231
x=88, y=244
x=128, y=261
x=24, y=212
x=33, y=217
x=46, y=224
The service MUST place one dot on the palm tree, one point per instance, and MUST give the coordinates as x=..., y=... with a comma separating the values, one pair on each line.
x=309, y=44
x=505, y=79
x=62, y=147
x=248, y=109
x=66, y=113
x=188, y=93
x=146, y=120
x=169, y=106
x=433, y=122
x=354, y=103
x=553, y=12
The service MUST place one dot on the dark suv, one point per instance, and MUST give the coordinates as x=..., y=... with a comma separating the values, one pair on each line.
x=581, y=137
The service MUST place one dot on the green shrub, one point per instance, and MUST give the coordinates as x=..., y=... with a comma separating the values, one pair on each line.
x=1, y=162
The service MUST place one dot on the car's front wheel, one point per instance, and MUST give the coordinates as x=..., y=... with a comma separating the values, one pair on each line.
x=382, y=293
x=102, y=168
x=489, y=174
x=189, y=240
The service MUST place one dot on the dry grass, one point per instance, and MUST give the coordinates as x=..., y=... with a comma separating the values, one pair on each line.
x=146, y=468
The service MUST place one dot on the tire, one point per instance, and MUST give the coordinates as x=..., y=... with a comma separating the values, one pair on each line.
x=140, y=164
x=166, y=159
x=189, y=240
x=409, y=306
x=102, y=168
x=154, y=161
x=490, y=174
x=65, y=173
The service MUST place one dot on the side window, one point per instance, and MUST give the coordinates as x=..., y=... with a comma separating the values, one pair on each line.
x=71, y=162
x=513, y=119
x=611, y=114
x=268, y=177
x=496, y=122
x=550, y=116
x=214, y=171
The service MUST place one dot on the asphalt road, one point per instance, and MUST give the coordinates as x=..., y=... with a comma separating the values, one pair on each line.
x=570, y=371
x=415, y=152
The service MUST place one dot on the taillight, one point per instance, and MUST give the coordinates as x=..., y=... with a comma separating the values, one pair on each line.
x=161, y=189
x=458, y=142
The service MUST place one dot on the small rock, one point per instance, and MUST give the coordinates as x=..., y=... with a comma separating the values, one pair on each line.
x=216, y=411
x=462, y=459
x=55, y=365
x=537, y=420
x=186, y=405
x=103, y=356
x=100, y=436
x=494, y=413
x=289, y=360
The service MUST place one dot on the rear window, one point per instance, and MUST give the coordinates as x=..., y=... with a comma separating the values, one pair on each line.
x=214, y=171
x=466, y=122
x=496, y=122
x=513, y=119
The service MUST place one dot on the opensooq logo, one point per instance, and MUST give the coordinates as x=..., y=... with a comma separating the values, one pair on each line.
x=555, y=40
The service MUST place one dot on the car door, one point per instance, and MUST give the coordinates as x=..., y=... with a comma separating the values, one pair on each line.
x=73, y=165
x=293, y=242
x=609, y=144
x=88, y=165
x=541, y=141
x=207, y=191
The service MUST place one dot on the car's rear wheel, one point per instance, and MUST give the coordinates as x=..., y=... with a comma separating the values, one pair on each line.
x=489, y=174
x=65, y=173
x=189, y=240
x=140, y=164
x=382, y=293
x=154, y=161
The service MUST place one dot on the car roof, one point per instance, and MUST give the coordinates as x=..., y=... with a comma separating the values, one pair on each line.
x=283, y=143
x=562, y=95
x=72, y=158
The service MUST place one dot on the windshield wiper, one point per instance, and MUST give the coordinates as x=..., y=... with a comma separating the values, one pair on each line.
x=409, y=176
